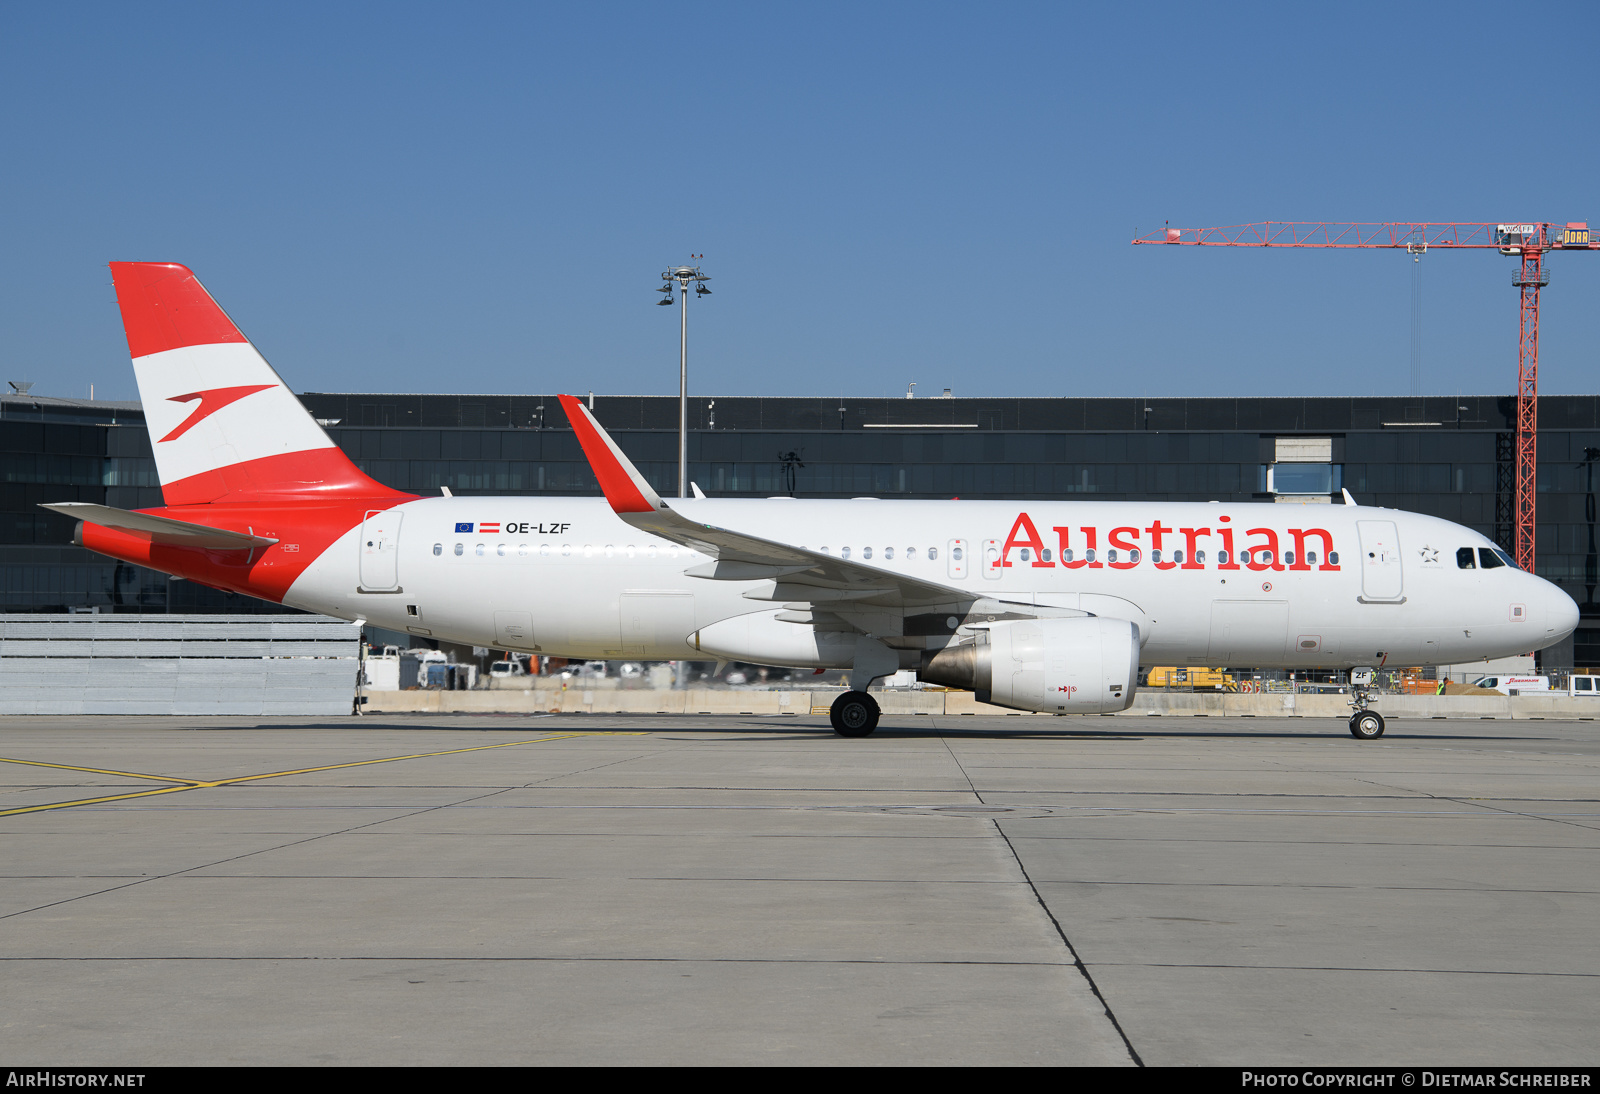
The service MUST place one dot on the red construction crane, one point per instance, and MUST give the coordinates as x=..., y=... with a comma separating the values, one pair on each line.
x=1528, y=241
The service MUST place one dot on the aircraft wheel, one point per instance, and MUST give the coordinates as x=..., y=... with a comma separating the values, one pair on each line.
x=1367, y=726
x=854, y=714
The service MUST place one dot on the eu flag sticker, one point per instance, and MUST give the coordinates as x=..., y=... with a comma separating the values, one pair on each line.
x=467, y=527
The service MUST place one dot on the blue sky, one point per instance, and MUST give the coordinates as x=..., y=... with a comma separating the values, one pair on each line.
x=481, y=197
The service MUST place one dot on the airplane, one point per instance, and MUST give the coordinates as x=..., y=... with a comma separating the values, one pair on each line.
x=1043, y=606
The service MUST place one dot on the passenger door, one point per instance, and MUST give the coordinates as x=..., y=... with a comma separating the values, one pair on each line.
x=380, y=551
x=1381, y=578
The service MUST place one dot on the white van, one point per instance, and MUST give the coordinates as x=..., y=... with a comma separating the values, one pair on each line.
x=1586, y=686
x=1507, y=684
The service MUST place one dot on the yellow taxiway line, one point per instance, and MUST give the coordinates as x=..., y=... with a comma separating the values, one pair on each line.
x=180, y=785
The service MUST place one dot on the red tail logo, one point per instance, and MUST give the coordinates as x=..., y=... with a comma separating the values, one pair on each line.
x=210, y=402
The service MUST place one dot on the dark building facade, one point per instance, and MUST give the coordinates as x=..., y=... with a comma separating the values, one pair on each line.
x=1449, y=457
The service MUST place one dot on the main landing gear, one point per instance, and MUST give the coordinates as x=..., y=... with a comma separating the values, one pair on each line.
x=855, y=714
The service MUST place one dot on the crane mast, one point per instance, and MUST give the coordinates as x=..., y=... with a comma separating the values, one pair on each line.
x=1528, y=242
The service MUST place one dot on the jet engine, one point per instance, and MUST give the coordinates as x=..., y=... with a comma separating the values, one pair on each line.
x=1055, y=666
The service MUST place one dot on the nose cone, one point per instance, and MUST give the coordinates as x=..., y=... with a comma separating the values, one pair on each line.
x=1561, y=613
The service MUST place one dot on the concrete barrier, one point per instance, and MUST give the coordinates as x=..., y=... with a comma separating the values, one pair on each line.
x=1147, y=703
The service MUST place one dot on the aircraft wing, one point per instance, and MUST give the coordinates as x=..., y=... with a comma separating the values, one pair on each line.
x=797, y=575
x=163, y=530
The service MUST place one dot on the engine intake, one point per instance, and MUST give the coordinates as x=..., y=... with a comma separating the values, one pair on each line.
x=1055, y=666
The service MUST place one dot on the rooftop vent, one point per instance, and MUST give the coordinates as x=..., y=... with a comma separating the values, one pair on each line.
x=21, y=387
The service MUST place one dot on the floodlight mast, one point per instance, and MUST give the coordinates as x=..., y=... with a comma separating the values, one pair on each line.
x=683, y=277
x=1529, y=242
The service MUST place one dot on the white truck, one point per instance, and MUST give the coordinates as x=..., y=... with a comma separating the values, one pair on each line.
x=1587, y=687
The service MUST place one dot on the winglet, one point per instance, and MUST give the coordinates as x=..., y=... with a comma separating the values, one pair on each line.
x=625, y=488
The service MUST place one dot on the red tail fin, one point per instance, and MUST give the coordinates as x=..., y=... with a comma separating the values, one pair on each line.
x=223, y=425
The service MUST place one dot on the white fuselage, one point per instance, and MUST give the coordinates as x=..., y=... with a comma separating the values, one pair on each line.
x=566, y=576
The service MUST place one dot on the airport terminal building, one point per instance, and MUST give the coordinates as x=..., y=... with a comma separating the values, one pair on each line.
x=1447, y=457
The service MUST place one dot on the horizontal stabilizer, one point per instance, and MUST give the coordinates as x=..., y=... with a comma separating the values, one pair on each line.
x=163, y=530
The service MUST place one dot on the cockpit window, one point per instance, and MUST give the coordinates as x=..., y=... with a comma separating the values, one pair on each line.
x=1488, y=559
x=1464, y=559
x=1507, y=559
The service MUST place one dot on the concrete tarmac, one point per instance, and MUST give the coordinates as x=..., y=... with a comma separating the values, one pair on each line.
x=613, y=889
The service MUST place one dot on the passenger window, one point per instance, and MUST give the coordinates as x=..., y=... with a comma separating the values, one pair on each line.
x=888, y=552
x=955, y=553
x=1488, y=559
x=1177, y=557
x=1333, y=558
x=1311, y=558
x=1111, y=555
x=480, y=550
x=1155, y=556
x=1464, y=559
x=1288, y=558
x=1200, y=557
x=1089, y=555
x=911, y=552
x=866, y=552
x=844, y=552
x=1066, y=555
x=933, y=554
x=1222, y=558
x=1244, y=557
x=1582, y=683
x=438, y=548
x=1044, y=555
x=1133, y=555
x=1026, y=557
x=501, y=550
x=459, y=548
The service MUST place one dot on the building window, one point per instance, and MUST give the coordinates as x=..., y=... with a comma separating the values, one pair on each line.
x=1303, y=478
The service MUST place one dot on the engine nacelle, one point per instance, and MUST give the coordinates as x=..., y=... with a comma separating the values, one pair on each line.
x=1055, y=666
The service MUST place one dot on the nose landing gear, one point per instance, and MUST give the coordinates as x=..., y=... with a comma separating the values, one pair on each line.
x=1365, y=725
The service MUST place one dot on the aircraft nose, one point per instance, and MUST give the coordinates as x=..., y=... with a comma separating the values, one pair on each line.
x=1561, y=613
